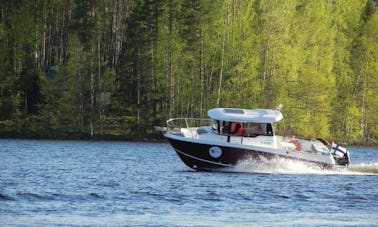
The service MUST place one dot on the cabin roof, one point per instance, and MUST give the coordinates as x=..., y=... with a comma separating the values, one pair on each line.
x=245, y=115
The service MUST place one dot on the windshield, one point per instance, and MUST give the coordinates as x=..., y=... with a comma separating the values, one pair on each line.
x=242, y=129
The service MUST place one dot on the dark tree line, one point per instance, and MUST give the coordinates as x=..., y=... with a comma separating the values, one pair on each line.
x=115, y=68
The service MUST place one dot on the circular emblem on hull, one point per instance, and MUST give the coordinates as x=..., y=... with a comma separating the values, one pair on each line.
x=215, y=152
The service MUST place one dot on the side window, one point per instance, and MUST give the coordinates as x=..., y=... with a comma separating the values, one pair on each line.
x=236, y=128
x=225, y=127
x=257, y=129
x=269, y=130
x=260, y=129
x=214, y=125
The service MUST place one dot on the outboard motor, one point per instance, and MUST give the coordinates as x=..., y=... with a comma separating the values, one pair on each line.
x=340, y=154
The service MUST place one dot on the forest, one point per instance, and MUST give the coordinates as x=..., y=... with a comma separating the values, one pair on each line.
x=112, y=69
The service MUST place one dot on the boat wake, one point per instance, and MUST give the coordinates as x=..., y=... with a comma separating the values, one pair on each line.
x=285, y=166
x=368, y=168
x=276, y=166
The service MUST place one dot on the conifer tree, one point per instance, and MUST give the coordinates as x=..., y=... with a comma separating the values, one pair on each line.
x=97, y=67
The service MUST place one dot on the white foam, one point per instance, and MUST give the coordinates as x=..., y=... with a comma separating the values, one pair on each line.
x=288, y=166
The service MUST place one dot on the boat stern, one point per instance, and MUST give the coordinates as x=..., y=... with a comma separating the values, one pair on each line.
x=340, y=154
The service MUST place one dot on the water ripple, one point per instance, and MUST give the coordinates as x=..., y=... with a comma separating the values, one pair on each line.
x=74, y=183
x=4, y=197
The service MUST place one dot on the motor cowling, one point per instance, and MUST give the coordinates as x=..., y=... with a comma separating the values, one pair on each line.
x=340, y=154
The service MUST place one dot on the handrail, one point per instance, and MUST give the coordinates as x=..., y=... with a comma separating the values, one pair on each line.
x=175, y=125
x=173, y=122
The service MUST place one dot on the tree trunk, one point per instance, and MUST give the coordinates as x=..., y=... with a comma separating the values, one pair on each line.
x=202, y=77
x=170, y=63
x=221, y=72
x=100, y=104
x=81, y=105
x=92, y=105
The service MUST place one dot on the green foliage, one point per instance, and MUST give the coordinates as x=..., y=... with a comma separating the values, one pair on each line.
x=116, y=68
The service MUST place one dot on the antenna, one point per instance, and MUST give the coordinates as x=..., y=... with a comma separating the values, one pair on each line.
x=279, y=108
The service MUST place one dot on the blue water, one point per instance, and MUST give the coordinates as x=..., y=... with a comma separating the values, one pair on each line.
x=76, y=183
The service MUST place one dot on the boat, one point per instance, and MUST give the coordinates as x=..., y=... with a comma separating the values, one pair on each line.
x=232, y=135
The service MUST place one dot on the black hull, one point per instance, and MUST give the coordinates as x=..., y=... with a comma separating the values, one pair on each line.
x=199, y=156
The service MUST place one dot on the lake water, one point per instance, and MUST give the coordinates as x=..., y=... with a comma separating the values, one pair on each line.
x=76, y=183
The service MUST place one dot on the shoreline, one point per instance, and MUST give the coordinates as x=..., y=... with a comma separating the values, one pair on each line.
x=150, y=138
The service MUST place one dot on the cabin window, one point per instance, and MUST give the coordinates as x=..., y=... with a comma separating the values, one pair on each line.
x=236, y=128
x=228, y=128
x=225, y=129
x=257, y=129
x=217, y=126
x=242, y=129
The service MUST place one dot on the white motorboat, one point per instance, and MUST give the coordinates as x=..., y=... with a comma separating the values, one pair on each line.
x=232, y=135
